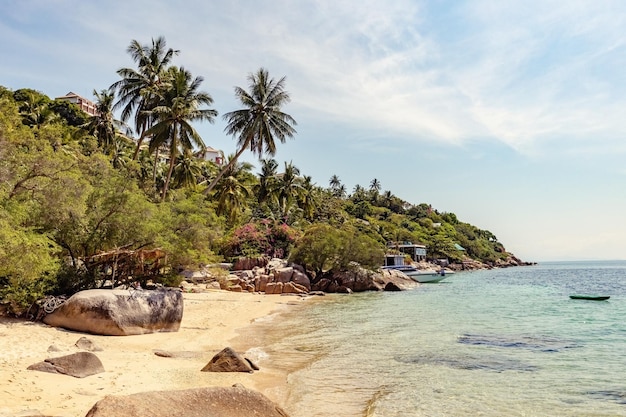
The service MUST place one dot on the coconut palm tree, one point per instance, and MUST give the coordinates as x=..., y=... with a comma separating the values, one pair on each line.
x=260, y=122
x=34, y=108
x=267, y=187
x=375, y=185
x=336, y=187
x=187, y=170
x=138, y=89
x=374, y=190
x=334, y=182
x=308, y=199
x=358, y=194
x=233, y=191
x=103, y=126
x=289, y=188
x=179, y=105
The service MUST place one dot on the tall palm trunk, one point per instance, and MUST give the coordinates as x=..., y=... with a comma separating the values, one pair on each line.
x=228, y=166
x=171, y=168
x=140, y=140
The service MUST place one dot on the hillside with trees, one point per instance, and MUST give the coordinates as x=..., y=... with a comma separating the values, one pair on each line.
x=74, y=188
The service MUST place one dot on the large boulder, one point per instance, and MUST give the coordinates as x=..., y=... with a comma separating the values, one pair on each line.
x=120, y=312
x=79, y=365
x=198, y=402
x=242, y=264
x=301, y=278
x=283, y=274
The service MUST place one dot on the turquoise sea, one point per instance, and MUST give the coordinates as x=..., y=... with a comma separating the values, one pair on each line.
x=506, y=342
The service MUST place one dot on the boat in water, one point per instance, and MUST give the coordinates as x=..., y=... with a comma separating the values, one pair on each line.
x=421, y=275
x=589, y=297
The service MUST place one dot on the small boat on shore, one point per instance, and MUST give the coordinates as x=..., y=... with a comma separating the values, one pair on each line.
x=589, y=297
x=421, y=275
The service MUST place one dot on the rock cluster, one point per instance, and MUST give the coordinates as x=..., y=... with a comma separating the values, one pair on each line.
x=469, y=264
x=276, y=276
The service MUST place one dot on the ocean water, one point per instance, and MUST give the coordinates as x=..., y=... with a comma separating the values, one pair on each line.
x=507, y=342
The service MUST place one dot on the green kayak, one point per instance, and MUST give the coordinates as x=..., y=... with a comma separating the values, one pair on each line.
x=589, y=297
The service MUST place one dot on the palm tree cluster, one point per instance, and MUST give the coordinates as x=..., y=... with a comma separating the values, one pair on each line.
x=163, y=101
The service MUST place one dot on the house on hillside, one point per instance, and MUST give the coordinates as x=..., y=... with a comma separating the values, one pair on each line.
x=85, y=105
x=416, y=251
x=210, y=154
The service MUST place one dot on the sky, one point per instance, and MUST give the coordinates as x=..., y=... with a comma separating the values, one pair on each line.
x=509, y=114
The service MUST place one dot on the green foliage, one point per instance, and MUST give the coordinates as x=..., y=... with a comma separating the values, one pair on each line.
x=69, y=112
x=324, y=248
x=27, y=262
x=188, y=229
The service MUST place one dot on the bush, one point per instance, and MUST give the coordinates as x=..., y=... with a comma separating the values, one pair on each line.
x=324, y=249
x=27, y=265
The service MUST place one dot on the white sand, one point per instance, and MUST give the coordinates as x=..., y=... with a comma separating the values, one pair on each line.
x=210, y=323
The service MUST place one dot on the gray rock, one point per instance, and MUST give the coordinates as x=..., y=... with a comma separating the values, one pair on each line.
x=301, y=278
x=78, y=365
x=120, y=312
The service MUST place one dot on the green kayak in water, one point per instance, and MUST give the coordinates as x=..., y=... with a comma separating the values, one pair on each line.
x=589, y=297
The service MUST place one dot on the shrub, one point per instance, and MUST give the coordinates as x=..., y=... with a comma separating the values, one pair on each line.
x=324, y=249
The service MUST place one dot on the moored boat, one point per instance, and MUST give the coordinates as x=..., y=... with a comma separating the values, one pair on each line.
x=589, y=297
x=421, y=275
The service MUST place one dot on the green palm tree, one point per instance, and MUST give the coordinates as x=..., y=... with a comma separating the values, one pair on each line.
x=336, y=187
x=261, y=121
x=358, y=194
x=179, y=105
x=374, y=190
x=187, y=170
x=233, y=191
x=138, y=89
x=103, y=126
x=308, y=199
x=267, y=187
x=289, y=188
x=375, y=185
x=35, y=108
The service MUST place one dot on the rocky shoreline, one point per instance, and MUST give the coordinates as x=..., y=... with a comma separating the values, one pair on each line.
x=276, y=276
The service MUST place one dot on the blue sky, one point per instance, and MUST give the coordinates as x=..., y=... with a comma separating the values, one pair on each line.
x=509, y=114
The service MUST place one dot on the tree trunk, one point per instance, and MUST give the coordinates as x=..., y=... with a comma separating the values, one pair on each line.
x=140, y=140
x=169, y=175
x=221, y=173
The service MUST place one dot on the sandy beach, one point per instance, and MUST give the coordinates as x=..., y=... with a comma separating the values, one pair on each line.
x=211, y=321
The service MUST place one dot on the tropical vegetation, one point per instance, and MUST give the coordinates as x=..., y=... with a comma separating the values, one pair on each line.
x=74, y=187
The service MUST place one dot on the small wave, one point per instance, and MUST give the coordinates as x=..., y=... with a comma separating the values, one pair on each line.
x=256, y=354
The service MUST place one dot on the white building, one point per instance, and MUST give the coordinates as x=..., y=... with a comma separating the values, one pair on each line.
x=85, y=105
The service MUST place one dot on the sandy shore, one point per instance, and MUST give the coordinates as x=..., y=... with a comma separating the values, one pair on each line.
x=211, y=321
